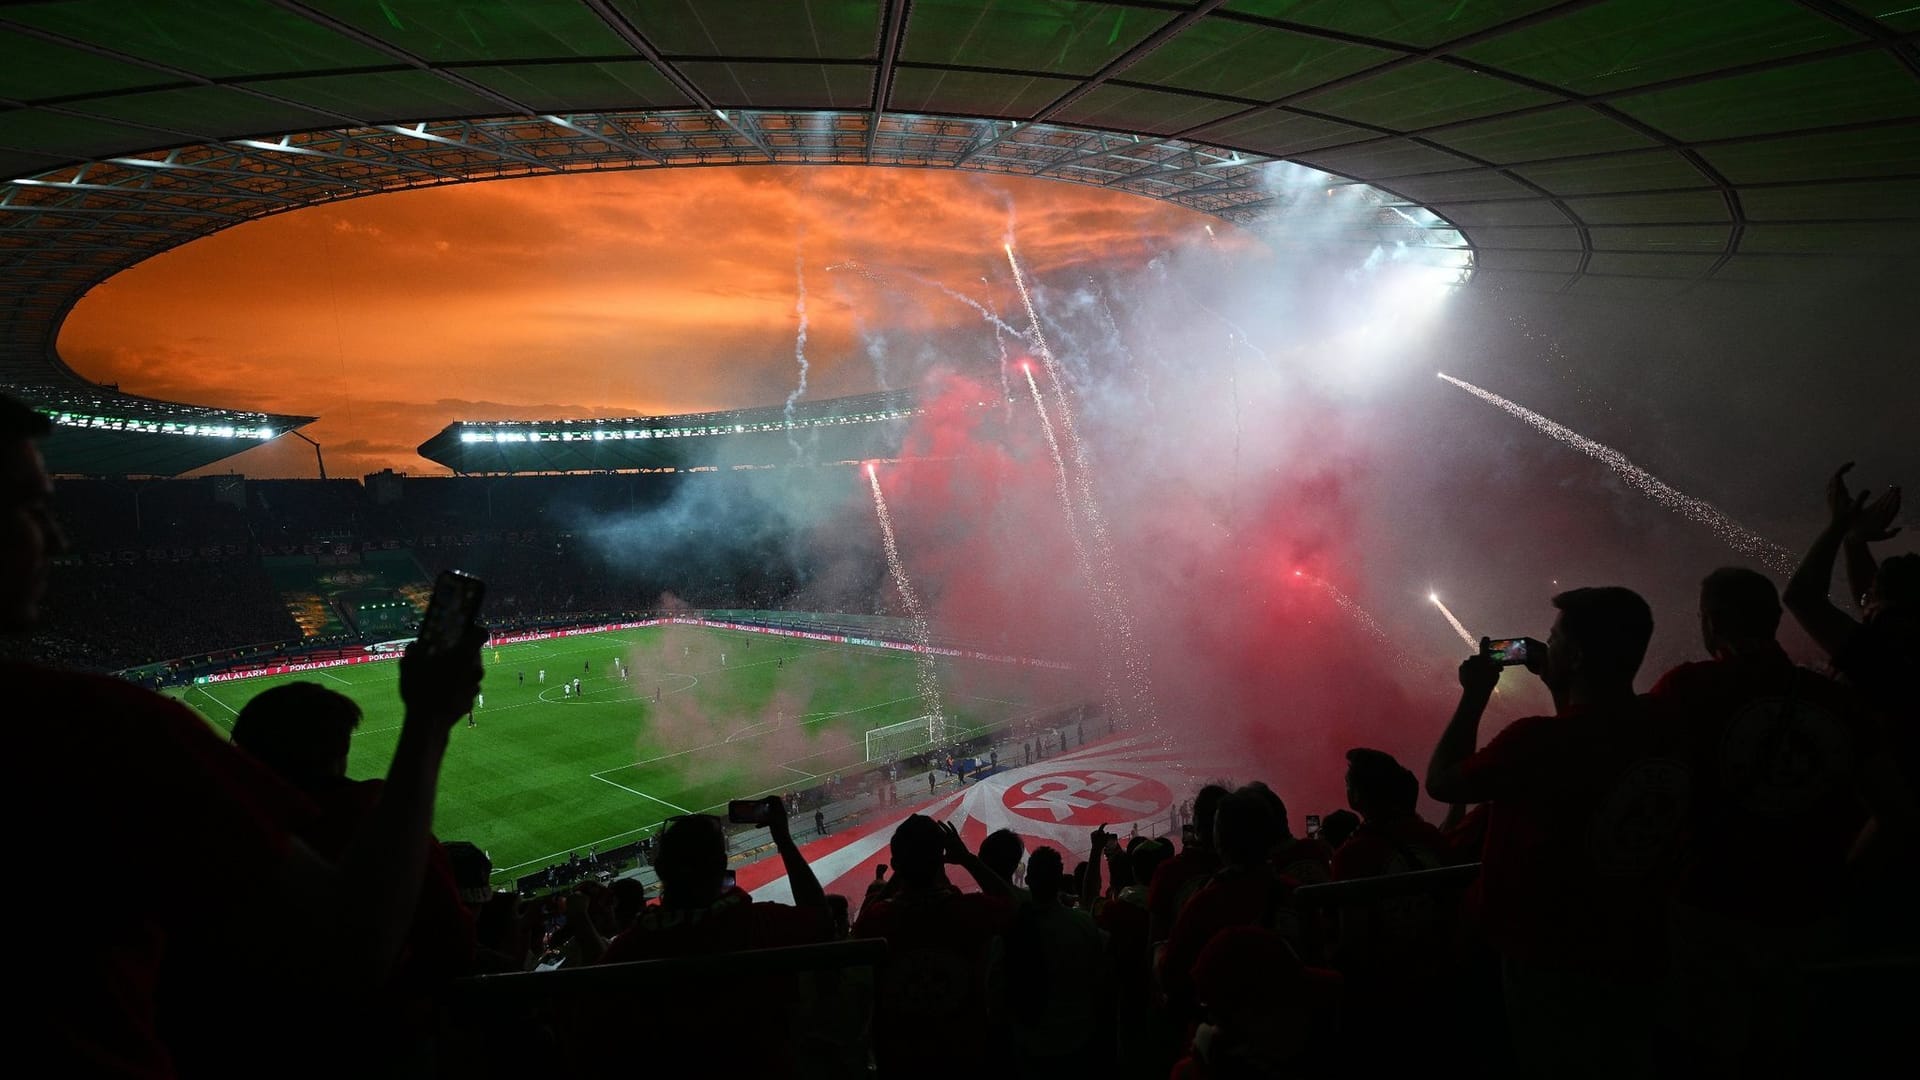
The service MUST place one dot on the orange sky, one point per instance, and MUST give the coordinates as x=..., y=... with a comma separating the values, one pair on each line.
x=573, y=296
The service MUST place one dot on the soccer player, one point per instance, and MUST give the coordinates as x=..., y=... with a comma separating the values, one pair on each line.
x=587, y=667
x=566, y=689
x=656, y=695
x=523, y=677
x=543, y=676
x=576, y=685
x=723, y=659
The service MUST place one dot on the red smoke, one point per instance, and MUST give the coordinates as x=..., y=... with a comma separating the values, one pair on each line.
x=1246, y=659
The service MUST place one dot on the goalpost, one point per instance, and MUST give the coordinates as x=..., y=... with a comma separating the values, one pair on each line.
x=891, y=741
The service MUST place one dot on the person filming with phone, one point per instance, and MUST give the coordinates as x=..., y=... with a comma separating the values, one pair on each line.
x=211, y=836
x=1587, y=808
x=701, y=911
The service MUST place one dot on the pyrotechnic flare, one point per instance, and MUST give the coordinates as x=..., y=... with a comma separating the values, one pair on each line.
x=1108, y=595
x=799, y=344
x=1472, y=642
x=928, y=676
x=1735, y=535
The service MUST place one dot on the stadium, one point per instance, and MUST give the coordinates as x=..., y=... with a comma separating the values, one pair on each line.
x=943, y=424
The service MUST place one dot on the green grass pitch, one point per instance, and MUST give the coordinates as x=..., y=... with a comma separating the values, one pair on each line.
x=541, y=774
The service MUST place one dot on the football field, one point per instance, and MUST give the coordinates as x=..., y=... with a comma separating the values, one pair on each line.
x=702, y=715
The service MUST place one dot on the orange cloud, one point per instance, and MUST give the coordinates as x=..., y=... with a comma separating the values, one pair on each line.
x=571, y=296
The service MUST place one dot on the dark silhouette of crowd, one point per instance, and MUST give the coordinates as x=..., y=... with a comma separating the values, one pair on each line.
x=1716, y=877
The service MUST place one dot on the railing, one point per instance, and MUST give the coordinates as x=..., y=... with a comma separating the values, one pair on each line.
x=667, y=978
x=1358, y=891
x=801, y=1011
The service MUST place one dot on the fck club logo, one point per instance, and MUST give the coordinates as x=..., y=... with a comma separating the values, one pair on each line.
x=1089, y=797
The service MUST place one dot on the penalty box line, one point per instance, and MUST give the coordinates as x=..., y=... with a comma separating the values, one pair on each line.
x=642, y=794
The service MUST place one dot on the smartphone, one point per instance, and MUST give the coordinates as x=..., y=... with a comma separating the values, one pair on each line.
x=751, y=811
x=1313, y=826
x=455, y=606
x=1513, y=651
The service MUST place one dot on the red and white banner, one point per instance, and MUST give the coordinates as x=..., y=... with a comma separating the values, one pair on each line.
x=1125, y=784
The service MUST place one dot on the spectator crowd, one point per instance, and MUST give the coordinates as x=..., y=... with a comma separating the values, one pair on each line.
x=1715, y=877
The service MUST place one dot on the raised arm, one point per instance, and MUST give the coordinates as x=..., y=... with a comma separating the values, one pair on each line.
x=806, y=886
x=1875, y=524
x=1090, y=884
x=1445, y=781
x=1806, y=592
x=955, y=852
x=368, y=899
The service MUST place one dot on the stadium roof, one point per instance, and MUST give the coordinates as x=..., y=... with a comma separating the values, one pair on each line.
x=831, y=429
x=98, y=431
x=1592, y=146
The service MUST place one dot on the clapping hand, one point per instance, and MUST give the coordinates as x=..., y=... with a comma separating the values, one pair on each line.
x=1865, y=521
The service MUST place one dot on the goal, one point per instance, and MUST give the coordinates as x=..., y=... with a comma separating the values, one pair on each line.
x=892, y=741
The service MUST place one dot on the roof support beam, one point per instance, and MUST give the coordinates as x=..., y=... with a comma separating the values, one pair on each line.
x=618, y=22
x=1118, y=64
x=893, y=25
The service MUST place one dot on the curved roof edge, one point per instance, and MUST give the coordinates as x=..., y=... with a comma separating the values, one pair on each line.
x=68, y=229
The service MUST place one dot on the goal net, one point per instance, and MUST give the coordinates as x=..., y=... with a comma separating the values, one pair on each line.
x=893, y=741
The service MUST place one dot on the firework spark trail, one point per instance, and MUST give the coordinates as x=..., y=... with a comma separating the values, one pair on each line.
x=1000, y=342
x=992, y=319
x=1732, y=533
x=928, y=676
x=1472, y=642
x=1235, y=337
x=1106, y=584
x=799, y=345
x=1120, y=346
x=1103, y=616
x=1366, y=620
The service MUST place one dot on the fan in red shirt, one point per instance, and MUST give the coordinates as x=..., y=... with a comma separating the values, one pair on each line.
x=1263, y=1007
x=1588, y=810
x=1178, y=878
x=1246, y=891
x=1305, y=860
x=302, y=733
x=205, y=833
x=1785, y=761
x=702, y=913
x=940, y=943
x=1397, y=952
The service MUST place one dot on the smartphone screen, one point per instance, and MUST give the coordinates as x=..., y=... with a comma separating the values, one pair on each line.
x=749, y=812
x=455, y=604
x=1507, y=652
